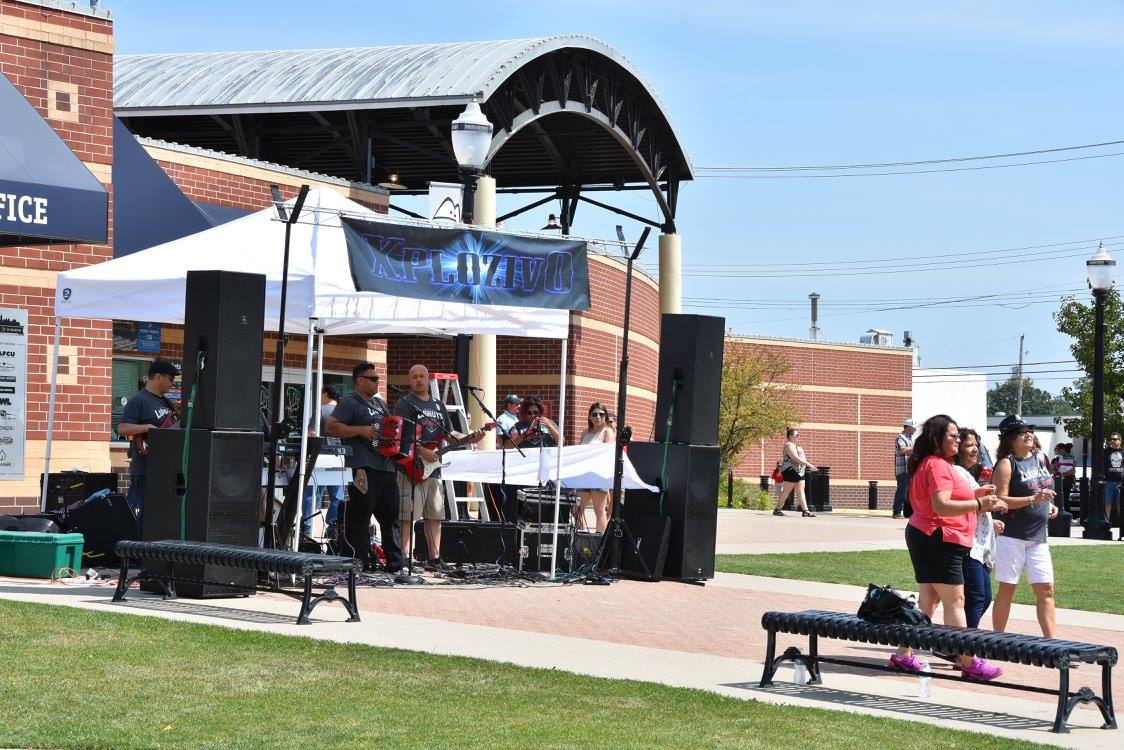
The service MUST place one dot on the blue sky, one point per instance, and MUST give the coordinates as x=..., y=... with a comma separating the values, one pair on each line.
x=813, y=83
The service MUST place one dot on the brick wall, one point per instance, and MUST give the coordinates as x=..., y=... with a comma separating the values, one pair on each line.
x=852, y=400
x=43, y=52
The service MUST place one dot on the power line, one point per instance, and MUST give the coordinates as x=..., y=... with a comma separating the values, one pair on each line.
x=902, y=172
x=949, y=160
x=1091, y=242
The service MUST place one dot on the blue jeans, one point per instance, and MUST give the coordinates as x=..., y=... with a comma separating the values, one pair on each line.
x=135, y=497
x=977, y=590
x=1111, y=497
x=901, y=494
x=311, y=504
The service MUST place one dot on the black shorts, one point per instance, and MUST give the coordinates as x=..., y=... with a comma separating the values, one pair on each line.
x=790, y=475
x=935, y=560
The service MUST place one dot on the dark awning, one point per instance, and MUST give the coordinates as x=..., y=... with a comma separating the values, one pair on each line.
x=46, y=193
x=149, y=209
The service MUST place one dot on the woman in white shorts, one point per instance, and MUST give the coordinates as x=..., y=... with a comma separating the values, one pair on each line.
x=1023, y=480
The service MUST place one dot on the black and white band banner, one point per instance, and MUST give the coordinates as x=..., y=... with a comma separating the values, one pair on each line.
x=467, y=265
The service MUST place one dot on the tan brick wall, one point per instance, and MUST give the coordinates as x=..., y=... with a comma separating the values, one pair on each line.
x=43, y=50
x=853, y=400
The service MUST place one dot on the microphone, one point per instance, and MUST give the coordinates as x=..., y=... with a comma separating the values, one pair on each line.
x=396, y=389
x=468, y=387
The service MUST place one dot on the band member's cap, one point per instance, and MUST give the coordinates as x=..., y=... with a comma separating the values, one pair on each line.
x=163, y=367
x=513, y=399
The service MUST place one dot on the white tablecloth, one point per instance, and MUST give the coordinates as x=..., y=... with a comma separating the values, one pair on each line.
x=584, y=467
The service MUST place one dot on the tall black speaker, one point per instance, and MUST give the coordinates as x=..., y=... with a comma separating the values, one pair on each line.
x=224, y=315
x=691, y=500
x=223, y=497
x=690, y=355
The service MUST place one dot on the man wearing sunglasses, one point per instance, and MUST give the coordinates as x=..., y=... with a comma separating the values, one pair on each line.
x=356, y=420
x=534, y=430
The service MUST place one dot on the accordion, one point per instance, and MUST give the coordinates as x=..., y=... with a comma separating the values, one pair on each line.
x=396, y=438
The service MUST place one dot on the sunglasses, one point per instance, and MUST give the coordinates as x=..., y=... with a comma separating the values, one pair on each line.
x=1026, y=431
x=372, y=378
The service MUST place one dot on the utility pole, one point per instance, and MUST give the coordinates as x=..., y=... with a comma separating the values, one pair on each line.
x=1019, y=407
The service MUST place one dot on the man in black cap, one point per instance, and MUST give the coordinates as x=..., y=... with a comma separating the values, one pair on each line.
x=148, y=408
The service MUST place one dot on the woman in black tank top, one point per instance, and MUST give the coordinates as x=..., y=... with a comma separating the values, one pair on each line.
x=1024, y=480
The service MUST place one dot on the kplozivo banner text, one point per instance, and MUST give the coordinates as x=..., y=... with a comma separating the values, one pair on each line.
x=467, y=265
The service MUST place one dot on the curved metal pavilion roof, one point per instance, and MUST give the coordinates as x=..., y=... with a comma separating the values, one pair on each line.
x=570, y=112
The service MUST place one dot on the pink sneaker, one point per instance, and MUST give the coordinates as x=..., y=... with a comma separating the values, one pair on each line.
x=980, y=670
x=907, y=663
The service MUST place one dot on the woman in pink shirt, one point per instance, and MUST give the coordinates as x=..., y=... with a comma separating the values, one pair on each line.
x=939, y=534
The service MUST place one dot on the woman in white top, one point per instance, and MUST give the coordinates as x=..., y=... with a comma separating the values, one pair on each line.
x=599, y=432
x=981, y=559
x=793, y=465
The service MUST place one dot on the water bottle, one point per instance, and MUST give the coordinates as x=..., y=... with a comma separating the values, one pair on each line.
x=800, y=673
x=925, y=682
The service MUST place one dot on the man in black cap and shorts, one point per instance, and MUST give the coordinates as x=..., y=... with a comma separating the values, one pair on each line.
x=147, y=409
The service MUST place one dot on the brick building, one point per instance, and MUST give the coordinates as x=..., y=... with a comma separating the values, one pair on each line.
x=852, y=399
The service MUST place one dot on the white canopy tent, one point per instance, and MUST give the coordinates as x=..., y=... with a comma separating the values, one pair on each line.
x=321, y=295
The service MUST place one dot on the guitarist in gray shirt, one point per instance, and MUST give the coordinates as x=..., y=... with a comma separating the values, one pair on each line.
x=423, y=499
x=356, y=420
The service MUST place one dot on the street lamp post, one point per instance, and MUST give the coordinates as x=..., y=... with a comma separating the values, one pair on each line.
x=471, y=134
x=1100, y=271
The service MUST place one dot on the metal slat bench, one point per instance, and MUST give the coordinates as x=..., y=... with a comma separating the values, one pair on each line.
x=282, y=562
x=986, y=644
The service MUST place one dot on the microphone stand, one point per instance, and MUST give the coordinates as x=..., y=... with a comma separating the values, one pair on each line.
x=504, y=434
x=617, y=527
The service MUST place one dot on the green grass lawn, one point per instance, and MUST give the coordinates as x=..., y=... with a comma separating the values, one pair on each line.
x=77, y=679
x=1085, y=577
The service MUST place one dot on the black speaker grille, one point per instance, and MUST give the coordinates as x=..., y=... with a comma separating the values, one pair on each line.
x=691, y=351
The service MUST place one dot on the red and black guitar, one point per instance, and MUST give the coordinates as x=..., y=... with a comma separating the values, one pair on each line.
x=418, y=469
x=170, y=420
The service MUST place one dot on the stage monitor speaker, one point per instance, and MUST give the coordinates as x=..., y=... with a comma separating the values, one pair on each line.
x=691, y=356
x=471, y=542
x=67, y=489
x=646, y=558
x=222, y=504
x=691, y=500
x=224, y=315
x=102, y=522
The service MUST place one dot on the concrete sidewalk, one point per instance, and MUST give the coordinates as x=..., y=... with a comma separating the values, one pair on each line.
x=755, y=532
x=866, y=693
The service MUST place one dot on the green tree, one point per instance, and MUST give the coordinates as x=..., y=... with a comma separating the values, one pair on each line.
x=754, y=405
x=1077, y=319
x=1004, y=397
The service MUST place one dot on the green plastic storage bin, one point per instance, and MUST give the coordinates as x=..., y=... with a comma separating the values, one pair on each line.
x=31, y=554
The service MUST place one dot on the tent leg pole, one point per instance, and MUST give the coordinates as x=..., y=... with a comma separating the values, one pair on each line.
x=302, y=467
x=50, y=414
x=319, y=378
x=558, y=451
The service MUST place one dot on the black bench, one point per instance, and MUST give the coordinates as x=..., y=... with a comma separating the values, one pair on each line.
x=282, y=562
x=986, y=644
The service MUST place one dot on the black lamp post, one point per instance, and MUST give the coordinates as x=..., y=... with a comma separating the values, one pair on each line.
x=471, y=135
x=290, y=218
x=1100, y=271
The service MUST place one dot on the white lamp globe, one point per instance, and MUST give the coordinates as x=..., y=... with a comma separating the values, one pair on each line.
x=472, y=134
x=1100, y=268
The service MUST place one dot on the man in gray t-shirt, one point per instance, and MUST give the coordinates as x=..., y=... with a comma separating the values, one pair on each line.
x=357, y=420
x=424, y=499
x=903, y=446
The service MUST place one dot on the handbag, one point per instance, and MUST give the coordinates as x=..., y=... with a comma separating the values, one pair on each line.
x=777, y=476
x=883, y=605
